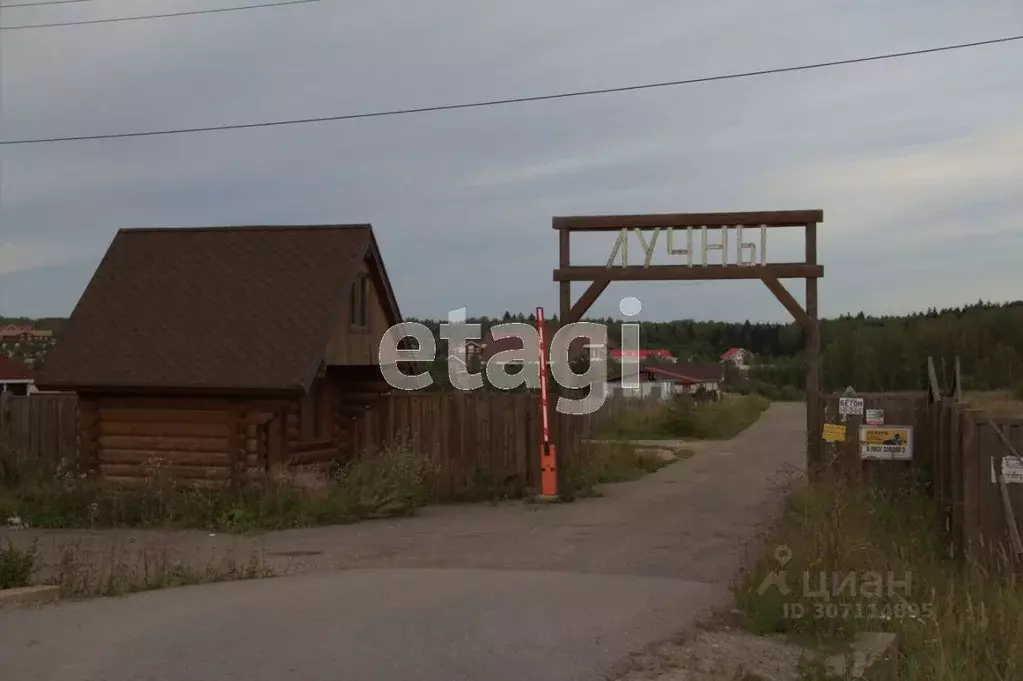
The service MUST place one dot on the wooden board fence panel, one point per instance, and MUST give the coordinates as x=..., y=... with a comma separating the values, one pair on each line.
x=41, y=425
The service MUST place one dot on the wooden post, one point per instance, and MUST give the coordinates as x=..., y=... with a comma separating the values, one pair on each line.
x=956, y=476
x=814, y=449
x=236, y=444
x=971, y=484
x=277, y=433
x=564, y=260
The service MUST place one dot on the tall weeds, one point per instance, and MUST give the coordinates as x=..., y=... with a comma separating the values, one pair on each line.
x=394, y=481
x=951, y=623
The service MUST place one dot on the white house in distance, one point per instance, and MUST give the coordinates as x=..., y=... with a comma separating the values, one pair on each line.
x=740, y=358
x=658, y=380
x=16, y=378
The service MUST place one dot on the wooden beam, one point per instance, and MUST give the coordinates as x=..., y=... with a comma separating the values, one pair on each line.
x=613, y=223
x=565, y=288
x=786, y=299
x=814, y=423
x=684, y=273
x=588, y=298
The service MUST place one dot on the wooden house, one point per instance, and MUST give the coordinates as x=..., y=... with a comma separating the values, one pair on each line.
x=221, y=354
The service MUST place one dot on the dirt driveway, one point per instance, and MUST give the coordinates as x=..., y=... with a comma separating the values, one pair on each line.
x=510, y=591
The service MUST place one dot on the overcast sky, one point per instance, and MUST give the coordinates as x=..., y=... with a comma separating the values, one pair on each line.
x=917, y=162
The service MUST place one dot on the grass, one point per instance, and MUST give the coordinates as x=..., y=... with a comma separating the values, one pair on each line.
x=951, y=624
x=392, y=483
x=683, y=417
x=600, y=463
x=122, y=571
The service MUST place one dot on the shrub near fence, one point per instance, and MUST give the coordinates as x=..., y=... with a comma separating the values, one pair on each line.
x=485, y=441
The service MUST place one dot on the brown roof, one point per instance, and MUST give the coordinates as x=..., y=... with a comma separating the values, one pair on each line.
x=687, y=373
x=13, y=370
x=212, y=309
x=702, y=371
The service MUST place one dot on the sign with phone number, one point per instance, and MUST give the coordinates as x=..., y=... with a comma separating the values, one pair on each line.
x=888, y=443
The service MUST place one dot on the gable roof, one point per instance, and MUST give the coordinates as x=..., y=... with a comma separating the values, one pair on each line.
x=732, y=352
x=702, y=371
x=13, y=370
x=218, y=309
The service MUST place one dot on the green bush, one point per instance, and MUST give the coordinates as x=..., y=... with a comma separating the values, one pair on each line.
x=16, y=566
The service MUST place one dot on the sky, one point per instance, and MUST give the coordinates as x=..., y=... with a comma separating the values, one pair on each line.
x=917, y=163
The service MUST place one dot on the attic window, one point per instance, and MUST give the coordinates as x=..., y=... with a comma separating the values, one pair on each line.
x=359, y=301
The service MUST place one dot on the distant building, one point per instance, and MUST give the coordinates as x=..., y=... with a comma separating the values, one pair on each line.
x=658, y=355
x=15, y=377
x=668, y=380
x=13, y=332
x=740, y=358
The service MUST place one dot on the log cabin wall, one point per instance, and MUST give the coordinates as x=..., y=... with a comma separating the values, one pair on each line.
x=356, y=344
x=206, y=441
x=320, y=425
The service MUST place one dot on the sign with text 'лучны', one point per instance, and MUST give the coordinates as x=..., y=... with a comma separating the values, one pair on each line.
x=886, y=443
x=679, y=244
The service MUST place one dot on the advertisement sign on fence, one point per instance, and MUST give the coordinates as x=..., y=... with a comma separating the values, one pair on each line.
x=834, y=432
x=886, y=443
x=850, y=406
x=875, y=417
x=1012, y=470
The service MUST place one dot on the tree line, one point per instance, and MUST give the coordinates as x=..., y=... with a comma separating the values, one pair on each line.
x=870, y=353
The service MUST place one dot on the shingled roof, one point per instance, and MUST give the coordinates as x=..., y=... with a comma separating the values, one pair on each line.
x=218, y=309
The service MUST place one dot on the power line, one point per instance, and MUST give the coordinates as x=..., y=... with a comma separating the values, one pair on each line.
x=157, y=16
x=45, y=2
x=517, y=100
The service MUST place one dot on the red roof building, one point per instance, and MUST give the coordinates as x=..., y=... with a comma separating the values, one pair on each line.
x=15, y=377
x=664, y=355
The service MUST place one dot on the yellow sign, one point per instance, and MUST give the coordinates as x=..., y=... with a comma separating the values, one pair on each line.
x=834, y=432
x=887, y=442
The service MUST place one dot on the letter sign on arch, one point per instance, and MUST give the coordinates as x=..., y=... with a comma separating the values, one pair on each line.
x=703, y=246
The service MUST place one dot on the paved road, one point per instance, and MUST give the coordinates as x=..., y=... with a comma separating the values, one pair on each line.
x=512, y=591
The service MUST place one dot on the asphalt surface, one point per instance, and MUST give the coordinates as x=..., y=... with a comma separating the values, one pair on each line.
x=514, y=591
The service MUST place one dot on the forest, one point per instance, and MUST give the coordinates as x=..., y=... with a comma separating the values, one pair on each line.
x=869, y=353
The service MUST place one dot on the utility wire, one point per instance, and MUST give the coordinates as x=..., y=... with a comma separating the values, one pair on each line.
x=517, y=100
x=156, y=16
x=46, y=2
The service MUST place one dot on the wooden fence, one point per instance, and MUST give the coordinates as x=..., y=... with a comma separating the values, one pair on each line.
x=479, y=438
x=957, y=450
x=474, y=438
x=41, y=425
